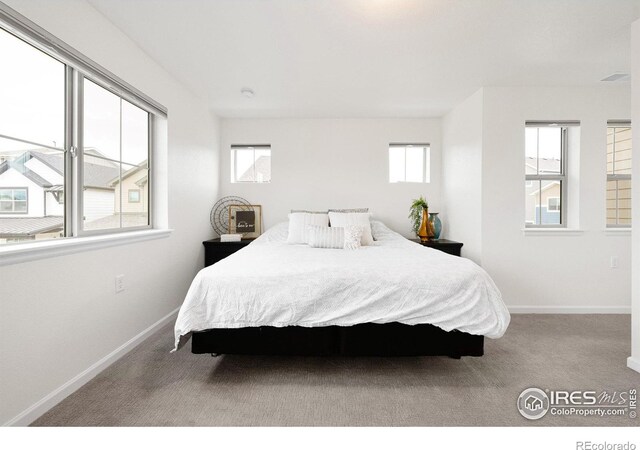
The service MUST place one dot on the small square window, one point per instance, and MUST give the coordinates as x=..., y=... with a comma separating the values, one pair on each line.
x=409, y=163
x=134, y=195
x=14, y=200
x=250, y=163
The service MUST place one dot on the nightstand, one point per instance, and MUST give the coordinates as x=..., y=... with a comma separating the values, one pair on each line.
x=444, y=245
x=214, y=250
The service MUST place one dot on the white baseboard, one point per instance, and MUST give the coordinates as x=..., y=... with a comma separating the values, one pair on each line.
x=52, y=399
x=633, y=363
x=569, y=309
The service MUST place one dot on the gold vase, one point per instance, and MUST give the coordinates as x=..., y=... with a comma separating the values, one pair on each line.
x=426, y=231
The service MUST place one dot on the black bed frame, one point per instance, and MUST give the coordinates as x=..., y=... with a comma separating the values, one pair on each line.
x=368, y=339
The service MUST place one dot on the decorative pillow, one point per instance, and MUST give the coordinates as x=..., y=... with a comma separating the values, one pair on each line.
x=326, y=237
x=352, y=237
x=299, y=223
x=346, y=219
x=350, y=210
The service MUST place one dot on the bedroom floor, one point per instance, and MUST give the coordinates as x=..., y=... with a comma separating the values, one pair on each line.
x=151, y=387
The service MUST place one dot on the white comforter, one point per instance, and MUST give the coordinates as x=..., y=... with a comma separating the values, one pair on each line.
x=272, y=283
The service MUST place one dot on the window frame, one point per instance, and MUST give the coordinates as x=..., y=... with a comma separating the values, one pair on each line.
x=561, y=177
x=13, y=201
x=617, y=177
x=234, y=162
x=78, y=162
x=77, y=68
x=426, y=161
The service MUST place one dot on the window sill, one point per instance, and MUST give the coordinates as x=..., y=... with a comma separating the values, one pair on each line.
x=552, y=232
x=19, y=253
x=617, y=231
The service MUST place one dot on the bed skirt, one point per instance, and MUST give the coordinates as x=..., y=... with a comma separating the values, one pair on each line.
x=368, y=339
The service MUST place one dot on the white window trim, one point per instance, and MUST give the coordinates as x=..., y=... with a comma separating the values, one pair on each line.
x=547, y=231
x=426, y=159
x=618, y=231
x=561, y=177
x=234, y=162
x=24, y=252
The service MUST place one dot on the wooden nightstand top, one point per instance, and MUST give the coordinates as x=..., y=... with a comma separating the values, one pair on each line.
x=445, y=245
x=217, y=241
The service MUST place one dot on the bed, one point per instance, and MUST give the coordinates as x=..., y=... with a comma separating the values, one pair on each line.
x=395, y=297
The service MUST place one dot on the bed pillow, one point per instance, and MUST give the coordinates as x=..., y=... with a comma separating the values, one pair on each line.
x=350, y=210
x=346, y=219
x=299, y=223
x=307, y=211
x=326, y=237
x=335, y=237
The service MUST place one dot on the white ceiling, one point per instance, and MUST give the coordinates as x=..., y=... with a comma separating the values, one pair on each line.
x=373, y=58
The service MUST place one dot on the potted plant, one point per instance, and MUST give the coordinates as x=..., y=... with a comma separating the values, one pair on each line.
x=419, y=215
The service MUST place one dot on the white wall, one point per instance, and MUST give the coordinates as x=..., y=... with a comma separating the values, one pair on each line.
x=59, y=316
x=462, y=175
x=552, y=271
x=333, y=163
x=634, y=360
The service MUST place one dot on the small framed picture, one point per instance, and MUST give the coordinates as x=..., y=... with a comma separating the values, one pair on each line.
x=245, y=220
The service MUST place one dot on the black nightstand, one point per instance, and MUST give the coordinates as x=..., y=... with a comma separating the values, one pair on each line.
x=214, y=250
x=444, y=245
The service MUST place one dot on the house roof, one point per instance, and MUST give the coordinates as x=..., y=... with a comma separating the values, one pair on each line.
x=127, y=173
x=547, y=187
x=28, y=173
x=95, y=175
x=547, y=165
x=28, y=226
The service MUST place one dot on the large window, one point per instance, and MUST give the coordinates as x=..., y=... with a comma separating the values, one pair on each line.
x=409, y=163
x=75, y=142
x=546, y=174
x=250, y=163
x=619, y=174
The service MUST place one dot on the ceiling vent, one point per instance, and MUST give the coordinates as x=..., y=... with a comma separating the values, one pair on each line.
x=618, y=77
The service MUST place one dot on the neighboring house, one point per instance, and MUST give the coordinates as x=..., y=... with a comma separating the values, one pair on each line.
x=543, y=202
x=135, y=190
x=32, y=194
x=134, y=194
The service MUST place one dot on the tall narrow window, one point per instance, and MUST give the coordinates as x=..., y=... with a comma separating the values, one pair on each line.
x=250, y=163
x=32, y=142
x=409, y=163
x=546, y=173
x=619, y=174
x=116, y=157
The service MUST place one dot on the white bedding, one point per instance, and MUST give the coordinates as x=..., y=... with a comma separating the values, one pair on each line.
x=272, y=283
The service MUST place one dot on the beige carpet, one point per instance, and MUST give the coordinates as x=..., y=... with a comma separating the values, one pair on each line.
x=150, y=386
